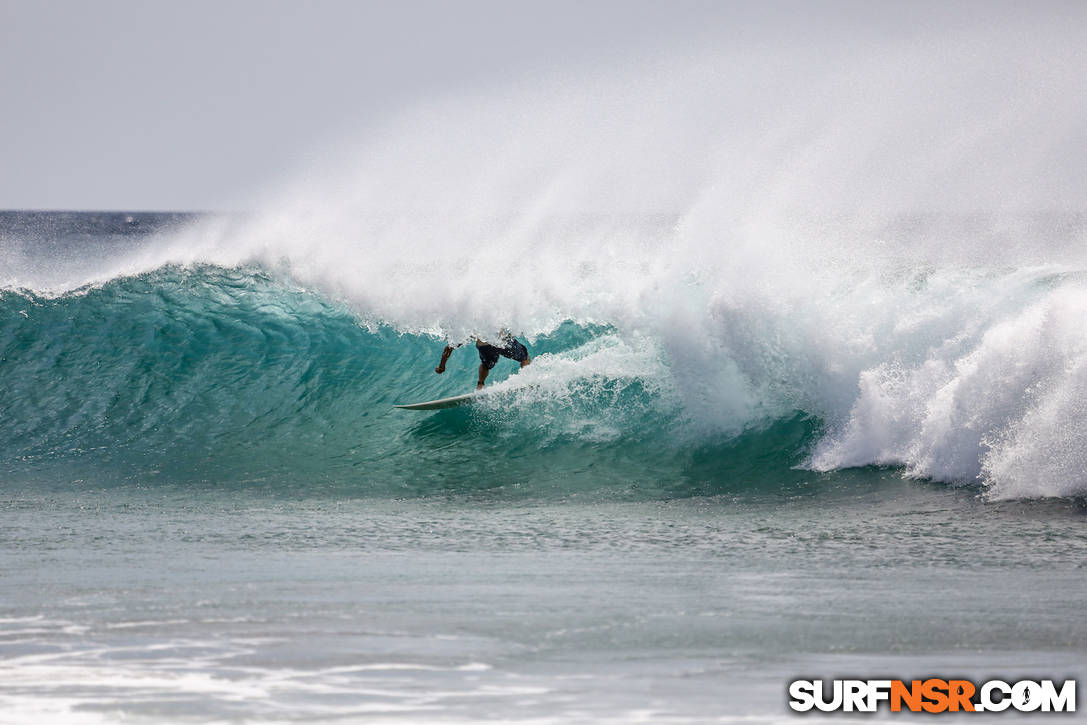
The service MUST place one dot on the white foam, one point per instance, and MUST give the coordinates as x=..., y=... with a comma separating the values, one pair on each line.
x=1002, y=407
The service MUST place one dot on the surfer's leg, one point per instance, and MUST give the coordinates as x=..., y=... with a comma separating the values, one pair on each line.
x=488, y=356
x=526, y=361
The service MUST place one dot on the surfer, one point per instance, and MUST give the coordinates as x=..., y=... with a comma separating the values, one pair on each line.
x=489, y=354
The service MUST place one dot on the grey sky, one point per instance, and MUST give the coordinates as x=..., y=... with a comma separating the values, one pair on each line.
x=123, y=104
x=167, y=105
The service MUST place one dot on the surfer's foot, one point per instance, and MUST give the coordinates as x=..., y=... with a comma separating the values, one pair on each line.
x=479, y=386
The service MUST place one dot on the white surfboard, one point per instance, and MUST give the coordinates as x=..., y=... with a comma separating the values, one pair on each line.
x=441, y=403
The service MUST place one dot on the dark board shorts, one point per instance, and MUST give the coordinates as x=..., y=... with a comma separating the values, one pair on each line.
x=488, y=354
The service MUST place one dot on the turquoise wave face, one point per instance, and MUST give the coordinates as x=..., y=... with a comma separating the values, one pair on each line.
x=218, y=376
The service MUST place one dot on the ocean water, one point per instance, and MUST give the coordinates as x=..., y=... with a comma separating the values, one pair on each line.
x=806, y=401
x=212, y=513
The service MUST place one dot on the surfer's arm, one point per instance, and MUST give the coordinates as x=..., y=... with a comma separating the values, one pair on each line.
x=445, y=356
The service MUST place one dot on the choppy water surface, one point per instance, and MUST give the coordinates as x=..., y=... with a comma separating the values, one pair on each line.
x=197, y=603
